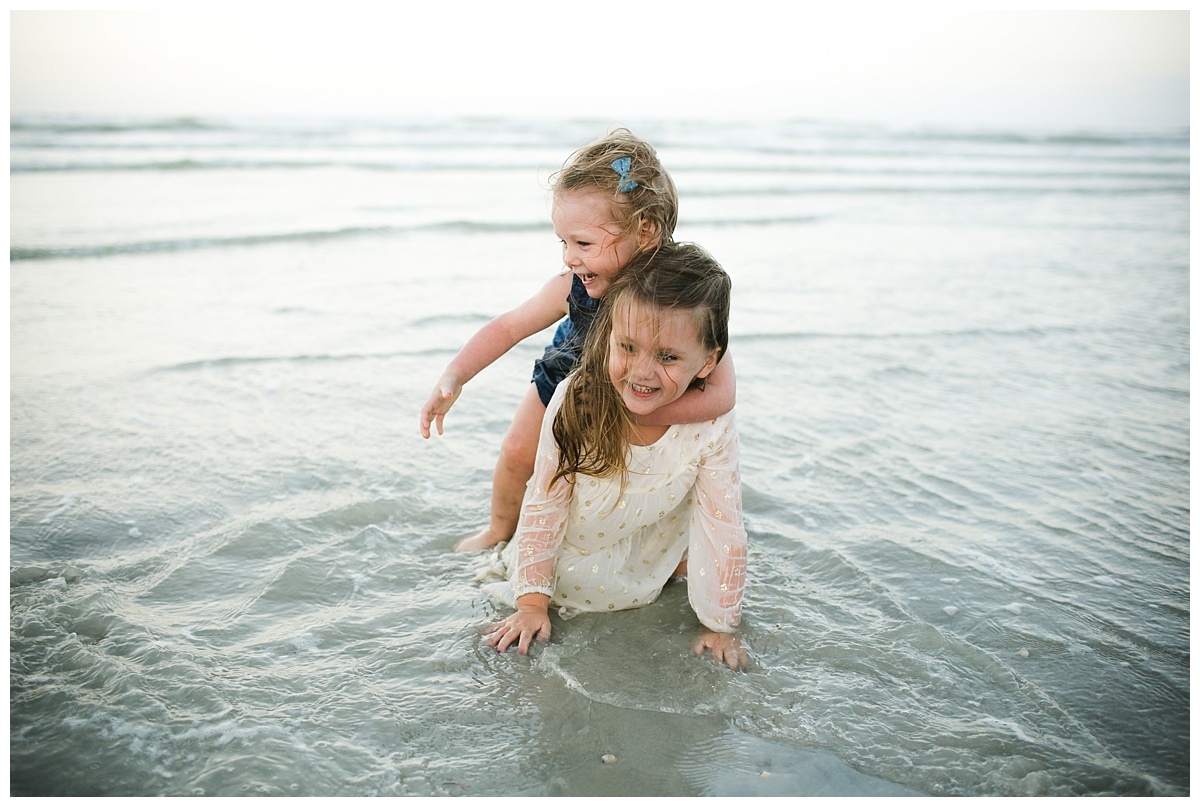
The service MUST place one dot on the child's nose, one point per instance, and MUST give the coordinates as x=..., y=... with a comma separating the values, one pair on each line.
x=644, y=364
x=570, y=255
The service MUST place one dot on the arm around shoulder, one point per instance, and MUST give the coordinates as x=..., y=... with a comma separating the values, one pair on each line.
x=699, y=405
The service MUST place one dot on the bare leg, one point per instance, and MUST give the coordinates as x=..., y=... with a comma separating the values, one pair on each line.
x=681, y=569
x=513, y=470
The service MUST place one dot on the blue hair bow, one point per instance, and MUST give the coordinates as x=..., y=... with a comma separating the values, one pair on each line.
x=621, y=166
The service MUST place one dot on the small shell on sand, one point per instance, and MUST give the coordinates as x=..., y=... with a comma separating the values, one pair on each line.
x=1023, y=653
x=608, y=759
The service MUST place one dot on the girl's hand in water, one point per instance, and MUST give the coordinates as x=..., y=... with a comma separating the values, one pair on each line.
x=440, y=400
x=725, y=647
x=531, y=621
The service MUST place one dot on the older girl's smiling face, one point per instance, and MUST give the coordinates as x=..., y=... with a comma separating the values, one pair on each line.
x=654, y=355
x=593, y=246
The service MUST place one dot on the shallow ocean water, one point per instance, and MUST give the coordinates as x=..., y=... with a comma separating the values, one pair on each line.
x=964, y=379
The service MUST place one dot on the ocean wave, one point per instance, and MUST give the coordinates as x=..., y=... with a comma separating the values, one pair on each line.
x=80, y=251
x=191, y=164
x=303, y=358
x=448, y=319
x=723, y=180
x=968, y=333
x=19, y=253
x=680, y=132
x=1182, y=185
x=475, y=144
x=1180, y=137
x=112, y=126
x=824, y=162
x=760, y=221
x=163, y=165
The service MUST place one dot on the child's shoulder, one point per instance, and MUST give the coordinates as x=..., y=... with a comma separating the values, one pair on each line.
x=557, y=289
x=561, y=282
x=550, y=299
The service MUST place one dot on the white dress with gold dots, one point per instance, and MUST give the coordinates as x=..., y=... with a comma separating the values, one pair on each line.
x=593, y=547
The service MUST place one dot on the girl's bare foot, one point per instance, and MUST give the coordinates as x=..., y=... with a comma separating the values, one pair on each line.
x=481, y=540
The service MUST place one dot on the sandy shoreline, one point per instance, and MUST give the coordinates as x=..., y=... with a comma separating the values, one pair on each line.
x=659, y=754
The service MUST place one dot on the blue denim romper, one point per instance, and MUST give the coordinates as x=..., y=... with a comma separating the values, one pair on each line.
x=562, y=354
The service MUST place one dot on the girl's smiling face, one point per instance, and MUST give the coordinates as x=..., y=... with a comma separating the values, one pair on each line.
x=593, y=246
x=654, y=355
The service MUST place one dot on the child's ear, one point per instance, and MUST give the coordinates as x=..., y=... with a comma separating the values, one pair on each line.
x=710, y=364
x=648, y=233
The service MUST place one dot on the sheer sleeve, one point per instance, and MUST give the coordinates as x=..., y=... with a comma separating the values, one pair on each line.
x=717, y=553
x=543, y=513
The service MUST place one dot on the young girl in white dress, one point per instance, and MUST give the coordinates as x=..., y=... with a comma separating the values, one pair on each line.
x=616, y=507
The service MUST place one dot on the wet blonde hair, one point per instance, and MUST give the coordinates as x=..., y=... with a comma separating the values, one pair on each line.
x=653, y=202
x=592, y=425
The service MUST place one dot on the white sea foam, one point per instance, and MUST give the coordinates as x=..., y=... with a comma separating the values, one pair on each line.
x=64, y=505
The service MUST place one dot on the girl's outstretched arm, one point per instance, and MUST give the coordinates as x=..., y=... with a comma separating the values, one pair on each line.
x=491, y=342
x=700, y=405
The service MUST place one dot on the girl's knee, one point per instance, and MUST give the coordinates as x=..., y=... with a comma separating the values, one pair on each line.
x=518, y=451
x=519, y=447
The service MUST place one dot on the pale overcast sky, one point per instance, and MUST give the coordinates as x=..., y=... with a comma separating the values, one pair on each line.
x=1005, y=69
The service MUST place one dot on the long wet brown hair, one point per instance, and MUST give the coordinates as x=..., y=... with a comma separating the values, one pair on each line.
x=592, y=426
